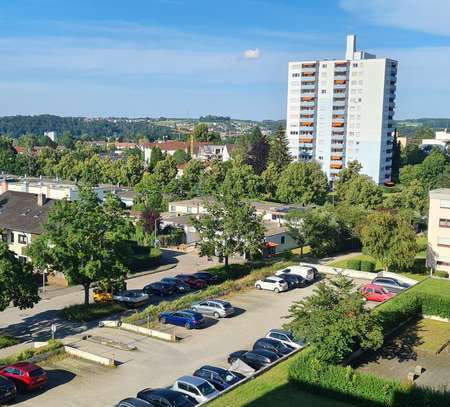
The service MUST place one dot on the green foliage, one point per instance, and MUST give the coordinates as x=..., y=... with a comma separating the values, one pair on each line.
x=354, y=264
x=202, y=133
x=344, y=383
x=279, y=153
x=241, y=181
x=180, y=156
x=230, y=227
x=367, y=265
x=211, y=181
x=155, y=156
x=389, y=238
x=303, y=183
x=7, y=340
x=257, y=151
x=441, y=273
x=85, y=240
x=412, y=155
x=16, y=281
x=412, y=197
x=26, y=354
x=334, y=321
x=89, y=312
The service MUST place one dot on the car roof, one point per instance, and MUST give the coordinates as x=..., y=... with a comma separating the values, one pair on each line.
x=160, y=392
x=213, y=368
x=274, y=277
x=280, y=331
x=136, y=402
x=194, y=380
x=27, y=366
x=218, y=301
x=371, y=285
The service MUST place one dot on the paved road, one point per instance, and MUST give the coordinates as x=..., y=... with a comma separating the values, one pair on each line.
x=34, y=324
x=156, y=363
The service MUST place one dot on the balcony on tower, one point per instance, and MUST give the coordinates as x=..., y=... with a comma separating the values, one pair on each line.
x=336, y=165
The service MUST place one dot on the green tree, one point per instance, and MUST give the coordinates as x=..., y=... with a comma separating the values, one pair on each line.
x=16, y=281
x=27, y=141
x=411, y=154
x=211, y=180
x=279, y=153
x=66, y=140
x=229, y=227
x=424, y=132
x=85, y=240
x=269, y=181
x=257, y=151
x=165, y=171
x=303, y=183
x=334, y=321
x=180, y=157
x=156, y=156
x=296, y=228
x=396, y=159
x=190, y=180
x=389, y=238
x=412, y=196
x=201, y=133
x=150, y=195
x=241, y=181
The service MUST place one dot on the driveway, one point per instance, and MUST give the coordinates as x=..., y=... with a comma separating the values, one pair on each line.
x=34, y=323
x=156, y=363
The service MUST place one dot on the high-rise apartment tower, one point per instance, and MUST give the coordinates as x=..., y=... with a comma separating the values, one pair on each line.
x=340, y=111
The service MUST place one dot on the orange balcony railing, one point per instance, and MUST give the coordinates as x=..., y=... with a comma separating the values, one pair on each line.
x=306, y=140
x=335, y=166
x=307, y=124
x=337, y=124
x=307, y=98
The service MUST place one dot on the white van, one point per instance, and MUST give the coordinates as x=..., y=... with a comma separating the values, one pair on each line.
x=306, y=272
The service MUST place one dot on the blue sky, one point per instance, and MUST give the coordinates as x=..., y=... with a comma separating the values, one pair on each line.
x=180, y=58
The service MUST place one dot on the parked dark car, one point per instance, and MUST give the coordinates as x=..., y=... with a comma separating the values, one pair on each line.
x=255, y=360
x=165, y=397
x=220, y=378
x=178, y=285
x=160, y=288
x=267, y=353
x=134, y=402
x=209, y=278
x=192, y=281
x=8, y=390
x=186, y=317
x=26, y=375
x=274, y=346
x=294, y=281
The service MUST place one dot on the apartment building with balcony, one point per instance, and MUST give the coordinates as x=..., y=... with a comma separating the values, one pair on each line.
x=438, y=253
x=340, y=111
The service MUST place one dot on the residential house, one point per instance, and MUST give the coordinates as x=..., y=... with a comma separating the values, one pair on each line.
x=22, y=215
x=438, y=253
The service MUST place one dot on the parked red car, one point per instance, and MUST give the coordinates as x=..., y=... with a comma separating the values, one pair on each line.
x=192, y=281
x=373, y=292
x=25, y=375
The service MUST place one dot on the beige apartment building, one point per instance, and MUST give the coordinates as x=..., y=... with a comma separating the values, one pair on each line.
x=438, y=254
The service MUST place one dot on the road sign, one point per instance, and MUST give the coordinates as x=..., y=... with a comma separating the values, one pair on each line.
x=53, y=329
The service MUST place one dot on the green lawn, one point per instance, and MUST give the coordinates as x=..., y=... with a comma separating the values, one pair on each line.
x=273, y=389
x=433, y=287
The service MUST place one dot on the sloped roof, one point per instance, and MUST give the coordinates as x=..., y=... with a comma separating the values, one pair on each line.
x=19, y=211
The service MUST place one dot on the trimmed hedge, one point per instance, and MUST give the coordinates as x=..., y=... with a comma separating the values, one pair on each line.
x=238, y=277
x=367, y=265
x=346, y=384
x=354, y=264
x=83, y=313
x=29, y=353
x=7, y=340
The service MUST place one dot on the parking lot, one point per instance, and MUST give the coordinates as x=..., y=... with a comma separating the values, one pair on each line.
x=156, y=363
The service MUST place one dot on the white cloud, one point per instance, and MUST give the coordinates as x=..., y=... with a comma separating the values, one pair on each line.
x=429, y=16
x=252, y=53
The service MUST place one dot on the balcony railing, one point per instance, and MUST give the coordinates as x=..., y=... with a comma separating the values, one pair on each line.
x=306, y=139
x=336, y=166
x=338, y=124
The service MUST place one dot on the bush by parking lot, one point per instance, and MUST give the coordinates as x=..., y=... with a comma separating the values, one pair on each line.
x=26, y=354
x=237, y=278
x=83, y=313
x=345, y=384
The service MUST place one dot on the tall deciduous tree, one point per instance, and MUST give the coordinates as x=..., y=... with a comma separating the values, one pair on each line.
x=304, y=183
x=16, y=281
x=156, y=156
x=279, y=153
x=257, y=151
x=241, y=181
x=85, y=240
x=334, y=321
x=389, y=239
x=230, y=227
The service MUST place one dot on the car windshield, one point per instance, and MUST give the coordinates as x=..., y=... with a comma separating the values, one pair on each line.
x=227, y=376
x=205, y=388
x=36, y=372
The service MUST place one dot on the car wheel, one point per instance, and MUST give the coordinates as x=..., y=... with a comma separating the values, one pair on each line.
x=276, y=290
x=216, y=315
x=163, y=320
x=187, y=325
x=258, y=287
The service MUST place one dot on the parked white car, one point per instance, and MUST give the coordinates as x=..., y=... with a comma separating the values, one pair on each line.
x=272, y=283
x=285, y=337
x=306, y=272
x=196, y=387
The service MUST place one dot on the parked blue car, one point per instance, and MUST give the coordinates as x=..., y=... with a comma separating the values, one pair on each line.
x=187, y=318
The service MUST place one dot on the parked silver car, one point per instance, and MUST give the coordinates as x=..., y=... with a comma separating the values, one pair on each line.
x=216, y=308
x=393, y=285
x=131, y=298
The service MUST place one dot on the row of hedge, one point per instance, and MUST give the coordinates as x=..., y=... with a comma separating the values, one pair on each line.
x=362, y=265
x=238, y=277
x=89, y=312
x=429, y=297
x=344, y=383
x=31, y=352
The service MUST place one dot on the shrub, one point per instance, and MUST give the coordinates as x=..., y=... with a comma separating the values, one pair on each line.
x=7, y=340
x=344, y=383
x=29, y=353
x=441, y=273
x=83, y=313
x=367, y=265
x=354, y=264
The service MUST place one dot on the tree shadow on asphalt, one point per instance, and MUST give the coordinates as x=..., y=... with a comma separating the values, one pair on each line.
x=56, y=377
